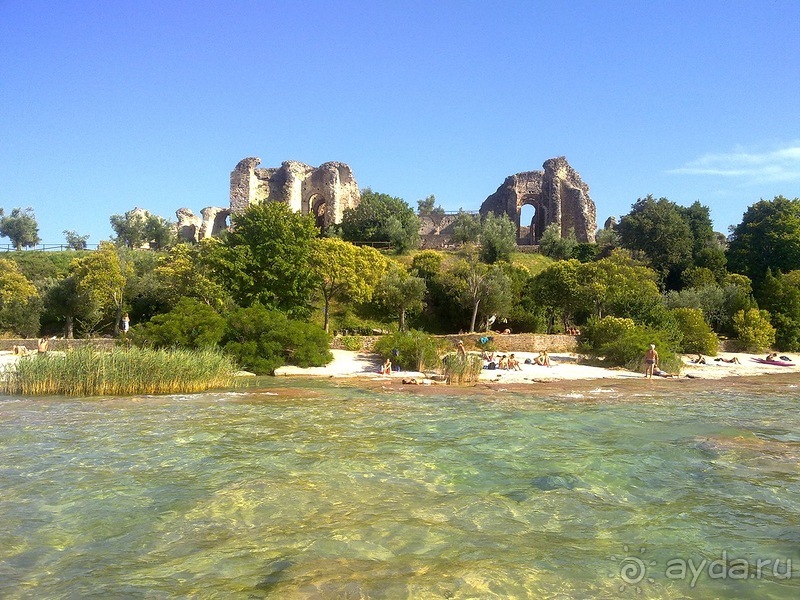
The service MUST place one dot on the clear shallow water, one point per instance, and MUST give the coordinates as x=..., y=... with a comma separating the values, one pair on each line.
x=322, y=491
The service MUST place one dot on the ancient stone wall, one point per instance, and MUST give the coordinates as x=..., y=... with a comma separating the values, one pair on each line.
x=325, y=191
x=558, y=194
x=522, y=342
x=193, y=228
x=60, y=344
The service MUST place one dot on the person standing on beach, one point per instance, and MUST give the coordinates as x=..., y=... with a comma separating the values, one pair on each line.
x=650, y=361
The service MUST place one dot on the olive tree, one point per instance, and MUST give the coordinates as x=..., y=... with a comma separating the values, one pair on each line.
x=20, y=227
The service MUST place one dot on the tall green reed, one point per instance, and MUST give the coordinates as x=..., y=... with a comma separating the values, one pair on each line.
x=460, y=370
x=87, y=372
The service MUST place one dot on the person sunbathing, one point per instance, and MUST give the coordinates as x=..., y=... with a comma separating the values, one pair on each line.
x=513, y=363
x=659, y=373
x=728, y=360
x=700, y=360
x=543, y=359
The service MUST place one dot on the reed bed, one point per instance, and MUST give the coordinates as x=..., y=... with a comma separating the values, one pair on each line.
x=460, y=370
x=121, y=372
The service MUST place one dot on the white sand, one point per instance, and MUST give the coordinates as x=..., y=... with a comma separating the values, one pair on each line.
x=564, y=367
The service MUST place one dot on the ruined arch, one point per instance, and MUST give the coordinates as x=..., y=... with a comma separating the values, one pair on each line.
x=558, y=196
x=318, y=207
x=530, y=215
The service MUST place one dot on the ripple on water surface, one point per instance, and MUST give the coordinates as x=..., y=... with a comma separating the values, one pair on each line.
x=326, y=490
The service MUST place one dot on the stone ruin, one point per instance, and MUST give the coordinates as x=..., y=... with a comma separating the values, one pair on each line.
x=324, y=191
x=557, y=194
x=193, y=228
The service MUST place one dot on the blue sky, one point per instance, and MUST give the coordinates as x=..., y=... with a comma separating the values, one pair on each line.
x=105, y=106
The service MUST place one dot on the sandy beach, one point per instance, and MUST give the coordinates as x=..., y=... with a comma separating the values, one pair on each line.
x=565, y=367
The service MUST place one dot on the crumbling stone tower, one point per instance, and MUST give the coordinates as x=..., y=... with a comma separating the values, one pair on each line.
x=558, y=194
x=324, y=191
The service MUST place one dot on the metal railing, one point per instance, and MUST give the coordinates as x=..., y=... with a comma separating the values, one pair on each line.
x=43, y=247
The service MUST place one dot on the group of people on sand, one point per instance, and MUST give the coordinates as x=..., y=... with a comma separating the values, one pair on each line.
x=701, y=360
x=651, y=362
x=502, y=362
x=22, y=350
x=510, y=362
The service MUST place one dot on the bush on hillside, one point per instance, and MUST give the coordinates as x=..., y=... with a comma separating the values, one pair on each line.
x=598, y=332
x=262, y=340
x=754, y=330
x=622, y=343
x=411, y=350
x=698, y=338
x=191, y=324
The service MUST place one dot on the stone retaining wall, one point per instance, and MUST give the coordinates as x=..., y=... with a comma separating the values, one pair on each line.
x=519, y=342
x=58, y=344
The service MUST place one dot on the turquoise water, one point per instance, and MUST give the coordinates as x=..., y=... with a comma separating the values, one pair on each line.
x=319, y=490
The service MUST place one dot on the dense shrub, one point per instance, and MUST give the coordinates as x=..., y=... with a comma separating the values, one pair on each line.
x=191, y=324
x=262, y=340
x=754, y=330
x=351, y=342
x=411, y=350
x=621, y=343
x=599, y=332
x=21, y=317
x=697, y=335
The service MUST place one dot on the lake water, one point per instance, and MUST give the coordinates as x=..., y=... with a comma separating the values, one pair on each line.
x=312, y=489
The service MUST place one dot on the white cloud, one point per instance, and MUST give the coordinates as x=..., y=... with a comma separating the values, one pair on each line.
x=782, y=164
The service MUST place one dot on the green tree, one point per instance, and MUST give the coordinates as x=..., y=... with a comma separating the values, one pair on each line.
x=262, y=340
x=708, y=250
x=481, y=288
x=343, y=270
x=66, y=305
x=411, y=350
x=780, y=295
x=101, y=277
x=556, y=247
x=555, y=290
x=139, y=228
x=19, y=301
x=191, y=324
x=768, y=237
x=439, y=314
x=659, y=230
x=498, y=238
x=400, y=293
x=74, y=240
x=20, y=227
x=612, y=286
x=697, y=337
x=427, y=264
x=753, y=329
x=607, y=240
x=697, y=277
x=428, y=208
x=466, y=228
x=718, y=303
x=182, y=273
x=381, y=218
x=266, y=258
